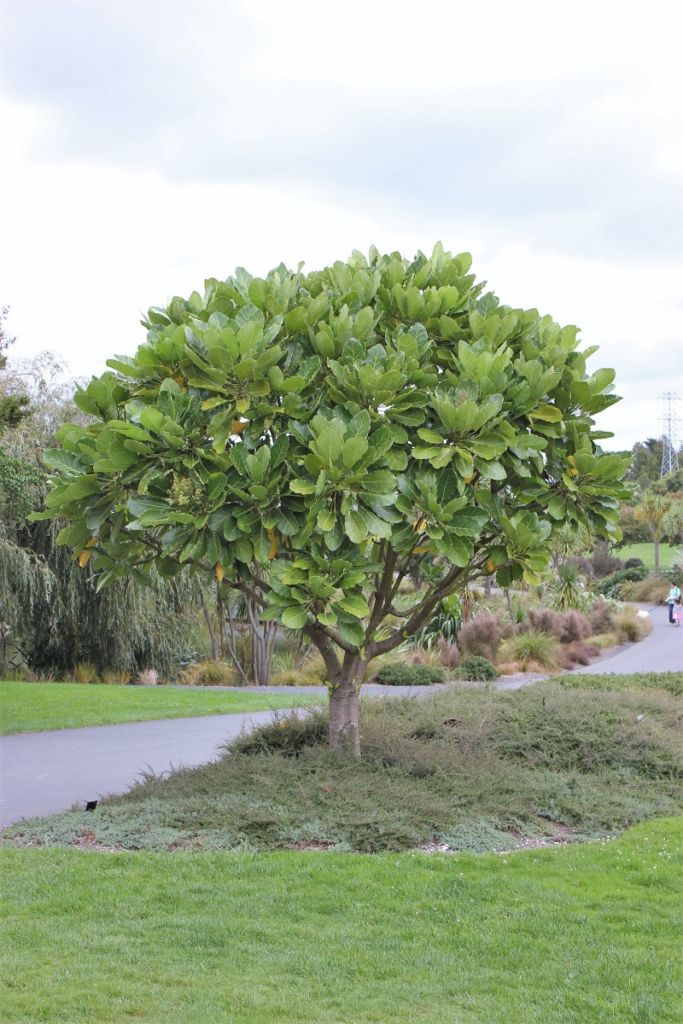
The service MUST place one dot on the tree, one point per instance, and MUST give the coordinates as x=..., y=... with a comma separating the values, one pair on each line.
x=646, y=463
x=13, y=406
x=652, y=512
x=309, y=439
x=672, y=524
x=50, y=613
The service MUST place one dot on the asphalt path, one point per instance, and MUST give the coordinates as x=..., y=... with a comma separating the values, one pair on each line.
x=46, y=772
x=661, y=651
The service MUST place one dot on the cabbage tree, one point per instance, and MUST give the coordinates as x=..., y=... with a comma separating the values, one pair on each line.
x=308, y=438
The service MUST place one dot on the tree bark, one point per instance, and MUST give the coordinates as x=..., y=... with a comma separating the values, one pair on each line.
x=344, y=707
x=656, y=556
x=209, y=626
x=345, y=715
x=262, y=644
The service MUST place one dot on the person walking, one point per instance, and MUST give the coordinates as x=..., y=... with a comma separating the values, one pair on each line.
x=672, y=600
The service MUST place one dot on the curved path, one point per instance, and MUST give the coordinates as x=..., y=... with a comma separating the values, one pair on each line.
x=47, y=772
x=661, y=651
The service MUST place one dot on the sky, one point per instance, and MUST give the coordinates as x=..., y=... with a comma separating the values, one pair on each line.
x=150, y=144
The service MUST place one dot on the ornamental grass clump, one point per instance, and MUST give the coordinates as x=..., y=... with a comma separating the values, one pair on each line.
x=533, y=651
x=209, y=673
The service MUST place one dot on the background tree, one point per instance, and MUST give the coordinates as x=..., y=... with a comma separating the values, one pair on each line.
x=652, y=512
x=51, y=614
x=13, y=405
x=307, y=439
x=673, y=522
x=646, y=463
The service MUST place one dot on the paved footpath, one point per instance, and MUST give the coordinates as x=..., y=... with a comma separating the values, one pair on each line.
x=46, y=772
x=661, y=651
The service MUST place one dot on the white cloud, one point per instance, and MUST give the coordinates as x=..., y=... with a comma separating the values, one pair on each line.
x=155, y=144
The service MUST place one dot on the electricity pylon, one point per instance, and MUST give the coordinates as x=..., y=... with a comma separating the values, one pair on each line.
x=670, y=422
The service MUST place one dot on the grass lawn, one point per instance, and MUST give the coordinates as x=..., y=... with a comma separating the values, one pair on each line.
x=646, y=552
x=571, y=935
x=30, y=707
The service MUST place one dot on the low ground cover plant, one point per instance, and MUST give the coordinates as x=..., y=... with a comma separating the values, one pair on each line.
x=671, y=682
x=467, y=762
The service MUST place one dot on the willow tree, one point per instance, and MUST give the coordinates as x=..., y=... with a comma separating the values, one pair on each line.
x=306, y=438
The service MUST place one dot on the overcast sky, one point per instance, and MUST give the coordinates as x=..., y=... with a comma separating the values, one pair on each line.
x=149, y=144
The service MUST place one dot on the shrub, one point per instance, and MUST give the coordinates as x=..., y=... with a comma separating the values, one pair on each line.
x=398, y=673
x=654, y=589
x=209, y=673
x=543, y=620
x=567, y=590
x=632, y=628
x=572, y=626
x=538, y=648
x=601, y=616
x=444, y=624
x=481, y=636
x=610, y=584
x=288, y=734
x=148, y=677
x=630, y=563
x=578, y=653
x=476, y=669
x=449, y=655
x=84, y=672
x=602, y=563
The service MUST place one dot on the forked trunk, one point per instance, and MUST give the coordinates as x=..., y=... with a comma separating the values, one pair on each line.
x=344, y=708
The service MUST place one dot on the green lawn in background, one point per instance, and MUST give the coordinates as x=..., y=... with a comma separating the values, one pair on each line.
x=646, y=553
x=570, y=935
x=30, y=707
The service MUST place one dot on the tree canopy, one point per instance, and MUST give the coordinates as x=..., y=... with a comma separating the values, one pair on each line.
x=309, y=437
x=13, y=406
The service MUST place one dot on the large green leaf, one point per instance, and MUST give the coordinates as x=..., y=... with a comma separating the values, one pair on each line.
x=355, y=527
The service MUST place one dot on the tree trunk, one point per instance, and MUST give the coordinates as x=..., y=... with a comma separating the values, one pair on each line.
x=344, y=706
x=262, y=643
x=209, y=626
x=344, y=718
x=656, y=556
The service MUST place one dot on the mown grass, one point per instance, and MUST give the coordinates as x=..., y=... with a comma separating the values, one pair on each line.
x=31, y=707
x=576, y=935
x=670, y=682
x=471, y=769
x=646, y=553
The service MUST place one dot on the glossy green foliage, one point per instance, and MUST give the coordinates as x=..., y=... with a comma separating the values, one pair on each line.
x=301, y=429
